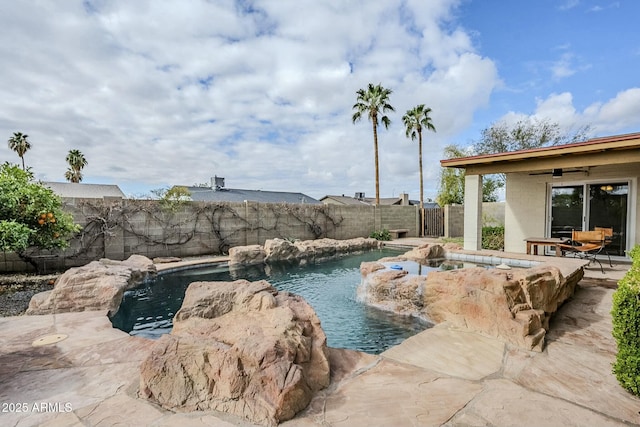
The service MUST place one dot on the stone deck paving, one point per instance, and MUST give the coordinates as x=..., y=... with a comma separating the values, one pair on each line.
x=440, y=377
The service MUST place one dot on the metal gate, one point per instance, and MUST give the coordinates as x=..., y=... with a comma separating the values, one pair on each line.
x=433, y=222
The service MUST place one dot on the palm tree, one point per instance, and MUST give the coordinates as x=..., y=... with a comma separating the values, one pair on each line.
x=371, y=102
x=414, y=121
x=76, y=162
x=20, y=144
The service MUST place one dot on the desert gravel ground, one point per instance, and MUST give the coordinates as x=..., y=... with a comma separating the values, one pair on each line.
x=16, y=291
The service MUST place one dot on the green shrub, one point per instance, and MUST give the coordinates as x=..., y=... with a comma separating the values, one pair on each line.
x=456, y=240
x=625, y=315
x=493, y=238
x=31, y=215
x=171, y=199
x=381, y=235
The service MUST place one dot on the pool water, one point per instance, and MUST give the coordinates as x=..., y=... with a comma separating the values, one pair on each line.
x=329, y=287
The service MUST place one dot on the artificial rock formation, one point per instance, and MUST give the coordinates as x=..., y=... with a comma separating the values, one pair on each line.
x=98, y=285
x=513, y=305
x=425, y=252
x=239, y=347
x=276, y=250
x=246, y=255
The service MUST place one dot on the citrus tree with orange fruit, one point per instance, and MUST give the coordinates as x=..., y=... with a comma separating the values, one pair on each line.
x=31, y=215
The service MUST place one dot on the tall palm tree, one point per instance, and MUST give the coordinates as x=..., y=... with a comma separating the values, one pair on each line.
x=76, y=162
x=20, y=144
x=415, y=120
x=371, y=102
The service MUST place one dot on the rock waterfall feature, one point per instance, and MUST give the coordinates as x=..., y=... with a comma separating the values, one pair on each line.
x=512, y=305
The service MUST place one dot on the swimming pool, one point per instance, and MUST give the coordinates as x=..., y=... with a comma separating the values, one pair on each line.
x=328, y=286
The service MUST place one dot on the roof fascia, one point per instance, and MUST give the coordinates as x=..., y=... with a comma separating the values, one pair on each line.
x=567, y=161
x=624, y=143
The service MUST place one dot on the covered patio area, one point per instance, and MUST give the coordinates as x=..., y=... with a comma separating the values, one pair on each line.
x=553, y=191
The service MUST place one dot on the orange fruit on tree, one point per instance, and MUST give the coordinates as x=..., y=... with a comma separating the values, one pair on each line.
x=41, y=221
x=50, y=215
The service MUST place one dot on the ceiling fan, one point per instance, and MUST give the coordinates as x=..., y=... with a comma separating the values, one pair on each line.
x=558, y=172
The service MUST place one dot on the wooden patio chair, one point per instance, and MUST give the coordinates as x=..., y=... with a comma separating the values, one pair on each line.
x=586, y=245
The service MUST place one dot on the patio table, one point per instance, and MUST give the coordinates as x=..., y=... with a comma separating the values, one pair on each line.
x=534, y=242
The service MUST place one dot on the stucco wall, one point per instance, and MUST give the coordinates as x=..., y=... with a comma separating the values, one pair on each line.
x=526, y=213
x=524, y=210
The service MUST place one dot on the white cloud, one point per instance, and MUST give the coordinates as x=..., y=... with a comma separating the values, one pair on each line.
x=557, y=107
x=569, y=4
x=158, y=93
x=616, y=115
x=621, y=112
x=161, y=92
x=567, y=65
x=599, y=8
x=563, y=67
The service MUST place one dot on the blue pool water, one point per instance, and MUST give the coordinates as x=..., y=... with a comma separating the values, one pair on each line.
x=329, y=287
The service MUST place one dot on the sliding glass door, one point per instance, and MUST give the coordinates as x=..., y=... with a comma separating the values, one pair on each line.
x=605, y=206
x=608, y=208
x=567, y=210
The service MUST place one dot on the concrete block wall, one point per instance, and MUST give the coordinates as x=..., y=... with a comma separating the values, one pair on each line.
x=117, y=229
x=400, y=217
x=493, y=215
x=12, y=262
x=355, y=221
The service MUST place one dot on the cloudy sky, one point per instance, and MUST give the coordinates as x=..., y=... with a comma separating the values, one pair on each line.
x=156, y=93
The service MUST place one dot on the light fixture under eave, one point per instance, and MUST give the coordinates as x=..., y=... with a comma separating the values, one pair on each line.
x=557, y=173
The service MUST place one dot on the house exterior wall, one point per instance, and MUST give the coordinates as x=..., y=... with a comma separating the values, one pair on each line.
x=527, y=210
x=623, y=172
x=598, y=160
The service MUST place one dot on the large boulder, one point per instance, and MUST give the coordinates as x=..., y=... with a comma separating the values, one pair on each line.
x=98, y=285
x=239, y=347
x=513, y=305
x=425, y=252
x=280, y=250
x=246, y=255
x=321, y=248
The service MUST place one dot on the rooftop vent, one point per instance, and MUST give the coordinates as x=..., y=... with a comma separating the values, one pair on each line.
x=359, y=196
x=217, y=183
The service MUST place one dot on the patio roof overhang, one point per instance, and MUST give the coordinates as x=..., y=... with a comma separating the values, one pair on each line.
x=620, y=149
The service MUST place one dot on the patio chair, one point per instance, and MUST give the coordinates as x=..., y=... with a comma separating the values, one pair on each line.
x=608, y=238
x=586, y=245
